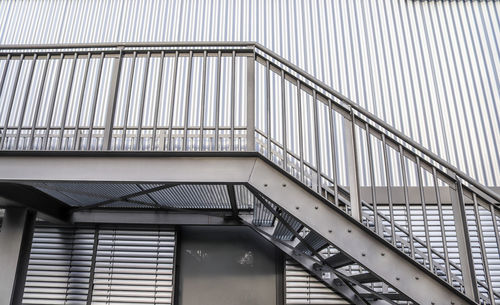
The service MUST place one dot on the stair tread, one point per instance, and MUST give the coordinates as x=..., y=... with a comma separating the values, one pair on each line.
x=338, y=260
x=391, y=296
x=365, y=278
x=314, y=240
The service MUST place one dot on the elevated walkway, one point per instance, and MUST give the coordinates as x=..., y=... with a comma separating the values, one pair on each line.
x=233, y=131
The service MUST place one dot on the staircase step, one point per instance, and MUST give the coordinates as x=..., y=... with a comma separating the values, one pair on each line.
x=281, y=232
x=365, y=278
x=314, y=240
x=338, y=260
x=390, y=296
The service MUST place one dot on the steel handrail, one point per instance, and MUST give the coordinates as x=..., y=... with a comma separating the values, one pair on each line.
x=434, y=157
x=382, y=123
x=301, y=72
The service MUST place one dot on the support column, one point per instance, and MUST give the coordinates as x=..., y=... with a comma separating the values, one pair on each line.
x=110, y=111
x=15, y=244
x=250, y=103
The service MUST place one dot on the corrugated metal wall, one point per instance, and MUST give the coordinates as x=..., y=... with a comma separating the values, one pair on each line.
x=430, y=68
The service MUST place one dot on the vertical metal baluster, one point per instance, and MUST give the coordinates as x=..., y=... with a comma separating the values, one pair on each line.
x=441, y=224
x=251, y=103
x=127, y=104
x=66, y=102
x=463, y=241
x=217, y=100
x=25, y=101
x=233, y=94
x=157, y=103
x=186, y=109
x=389, y=192
x=4, y=73
x=407, y=201
x=172, y=101
x=38, y=102
x=80, y=102
x=334, y=151
x=372, y=180
x=424, y=214
x=2, y=81
x=94, y=102
x=141, y=107
x=317, y=142
x=52, y=104
x=495, y=225
x=268, y=109
x=203, y=100
x=283, y=121
x=301, y=140
x=480, y=236
x=11, y=103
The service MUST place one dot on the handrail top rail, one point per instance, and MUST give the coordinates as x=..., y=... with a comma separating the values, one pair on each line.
x=128, y=45
x=255, y=45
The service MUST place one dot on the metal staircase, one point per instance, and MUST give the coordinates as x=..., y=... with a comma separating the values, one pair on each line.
x=370, y=212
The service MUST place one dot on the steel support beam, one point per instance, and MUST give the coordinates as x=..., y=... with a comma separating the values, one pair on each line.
x=347, y=234
x=15, y=244
x=232, y=199
x=49, y=209
x=152, y=217
x=128, y=167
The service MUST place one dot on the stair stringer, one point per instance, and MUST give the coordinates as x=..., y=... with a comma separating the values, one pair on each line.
x=352, y=238
x=307, y=262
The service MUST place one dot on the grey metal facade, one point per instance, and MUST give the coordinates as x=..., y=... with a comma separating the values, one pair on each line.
x=429, y=68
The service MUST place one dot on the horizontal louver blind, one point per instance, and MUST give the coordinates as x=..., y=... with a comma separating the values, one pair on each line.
x=302, y=288
x=59, y=266
x=134, y=267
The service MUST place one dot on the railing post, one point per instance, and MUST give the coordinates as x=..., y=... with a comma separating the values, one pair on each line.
x=251, y=103
x=110, y=111
x=15, y=244
x=463, y=241
x=352, y=165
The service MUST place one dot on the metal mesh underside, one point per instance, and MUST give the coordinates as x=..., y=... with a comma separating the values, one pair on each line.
x=192, y=196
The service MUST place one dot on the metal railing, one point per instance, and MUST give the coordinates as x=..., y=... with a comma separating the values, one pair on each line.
x=243, y=97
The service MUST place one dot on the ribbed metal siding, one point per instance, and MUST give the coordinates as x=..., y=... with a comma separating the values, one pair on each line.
x=430, y=68
x=131, y=266
x=302, y=288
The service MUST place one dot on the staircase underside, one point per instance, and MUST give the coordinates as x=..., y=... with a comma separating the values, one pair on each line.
x=252, y=190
